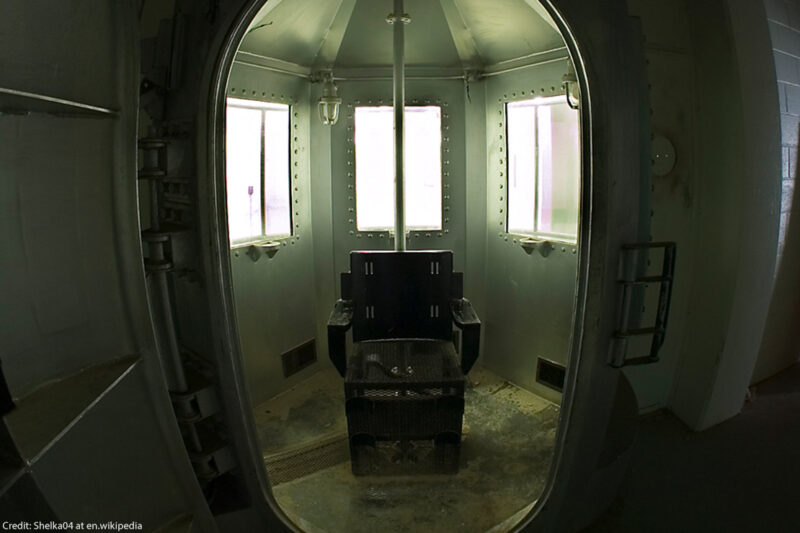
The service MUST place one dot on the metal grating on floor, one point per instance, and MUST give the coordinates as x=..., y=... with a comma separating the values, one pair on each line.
x=305, y=460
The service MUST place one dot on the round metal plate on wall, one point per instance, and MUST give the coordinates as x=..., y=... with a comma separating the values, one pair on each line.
x=663, y=155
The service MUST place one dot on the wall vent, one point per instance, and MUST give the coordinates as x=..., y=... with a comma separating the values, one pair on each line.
x=299, y=358
x=550, y=374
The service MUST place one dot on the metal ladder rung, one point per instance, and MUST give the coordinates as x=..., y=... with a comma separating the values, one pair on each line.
x=646, y=279
x=640, y=331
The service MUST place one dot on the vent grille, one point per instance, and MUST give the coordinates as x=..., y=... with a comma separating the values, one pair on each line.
x=550, y=374
x=299, y=358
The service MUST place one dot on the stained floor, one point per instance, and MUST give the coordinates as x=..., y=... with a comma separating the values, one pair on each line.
x=505, y=456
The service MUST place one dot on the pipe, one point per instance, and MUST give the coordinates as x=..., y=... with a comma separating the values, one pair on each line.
x=399, y=19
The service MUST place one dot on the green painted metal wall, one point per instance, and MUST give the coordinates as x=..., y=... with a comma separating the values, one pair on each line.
x=275, y=296
x=529, y=298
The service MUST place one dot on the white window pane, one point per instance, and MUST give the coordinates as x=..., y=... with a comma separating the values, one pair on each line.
x=521, y=135
x=277, y=198
x=543, y=168
x=559, y=170
x=374, y=141
x=243, y=172
x=423, y=168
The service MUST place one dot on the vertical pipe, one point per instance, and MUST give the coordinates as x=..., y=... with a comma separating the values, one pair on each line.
x=399, y=128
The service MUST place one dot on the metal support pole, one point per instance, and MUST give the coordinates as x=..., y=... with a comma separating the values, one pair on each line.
x=399, y=19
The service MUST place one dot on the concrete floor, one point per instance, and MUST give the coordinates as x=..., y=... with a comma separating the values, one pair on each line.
x=740, y=476
x=506, y=449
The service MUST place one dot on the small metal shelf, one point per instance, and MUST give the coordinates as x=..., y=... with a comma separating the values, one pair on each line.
x=17, y=102
x=42, y=417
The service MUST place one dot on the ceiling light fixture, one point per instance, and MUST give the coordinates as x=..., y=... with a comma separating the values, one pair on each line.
x=329, y=102
x=571, y=87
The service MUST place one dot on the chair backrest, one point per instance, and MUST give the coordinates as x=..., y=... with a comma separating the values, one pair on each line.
x=401, y=295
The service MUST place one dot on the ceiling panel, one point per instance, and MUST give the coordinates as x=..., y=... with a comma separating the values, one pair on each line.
x=294, y=30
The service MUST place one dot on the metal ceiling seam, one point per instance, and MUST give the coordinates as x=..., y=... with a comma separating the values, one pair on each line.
x=332, y=39
x=461, y=35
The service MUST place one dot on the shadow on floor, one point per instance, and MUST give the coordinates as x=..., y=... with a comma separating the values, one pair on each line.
x=740, y=476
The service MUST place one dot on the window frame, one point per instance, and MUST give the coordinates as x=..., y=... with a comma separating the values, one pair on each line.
x=264, y=106
x=561, y=238
x=390, y=229
x=348, y=195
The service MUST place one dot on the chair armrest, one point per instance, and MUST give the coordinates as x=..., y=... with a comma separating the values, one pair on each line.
x=338, y=323
x=470, y=325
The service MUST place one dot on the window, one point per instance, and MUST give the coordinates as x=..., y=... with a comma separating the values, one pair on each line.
x=543, y=168
x=374, y=147
x=257, y=170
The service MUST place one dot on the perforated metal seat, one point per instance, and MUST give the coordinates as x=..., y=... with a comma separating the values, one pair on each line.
x=404, y=381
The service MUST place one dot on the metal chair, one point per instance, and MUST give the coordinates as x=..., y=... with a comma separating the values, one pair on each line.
x=404, y=381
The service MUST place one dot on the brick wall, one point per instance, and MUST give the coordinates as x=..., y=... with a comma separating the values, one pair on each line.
x=784, y=27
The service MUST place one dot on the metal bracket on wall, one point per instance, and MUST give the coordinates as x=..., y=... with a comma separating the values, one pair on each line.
x=530, y=244
x=630, y=279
